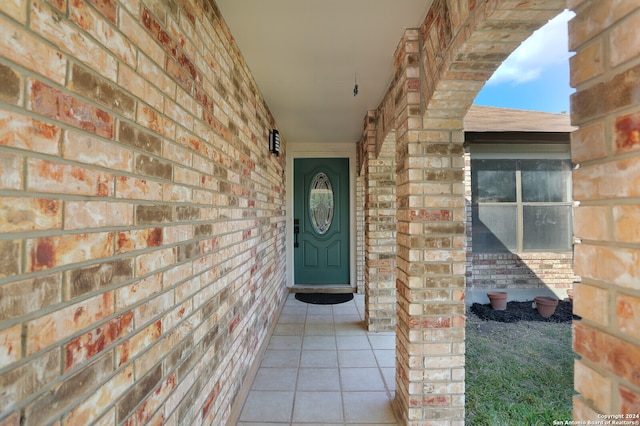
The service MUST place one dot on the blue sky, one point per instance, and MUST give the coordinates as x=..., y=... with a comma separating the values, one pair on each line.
x=536, y=75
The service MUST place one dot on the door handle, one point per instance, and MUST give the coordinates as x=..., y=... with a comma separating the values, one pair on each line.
x=296, y=231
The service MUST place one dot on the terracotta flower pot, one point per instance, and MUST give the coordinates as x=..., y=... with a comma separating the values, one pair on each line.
x=498, y=300
x=546, y=306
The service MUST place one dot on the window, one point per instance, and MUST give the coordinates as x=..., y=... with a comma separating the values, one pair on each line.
x=521, y=205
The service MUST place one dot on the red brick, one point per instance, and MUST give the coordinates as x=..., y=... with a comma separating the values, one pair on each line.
x=132, y=29
x=142, y=340
x=156, y=30
x=108, y=8
x=155, y=400
x=54, y=178
x=49, y=329
x=61, y=5
x=628, y=315
x=19, y=131
x=138, y=189
x=627, y=132
x=139, y=239
x=92, y=343
x=611, y=353
x=91, y=408
x=155, y=122
x=629, y=401
x=57, y=105
x=51, y=252
x=430, y=215
x=94, y=24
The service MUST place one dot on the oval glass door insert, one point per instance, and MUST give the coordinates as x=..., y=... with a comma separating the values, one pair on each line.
x=321, y=203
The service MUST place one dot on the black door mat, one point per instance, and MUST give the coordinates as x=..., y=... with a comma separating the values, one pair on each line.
x=324, y=298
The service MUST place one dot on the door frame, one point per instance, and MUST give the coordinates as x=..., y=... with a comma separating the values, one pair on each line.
x=325, y=150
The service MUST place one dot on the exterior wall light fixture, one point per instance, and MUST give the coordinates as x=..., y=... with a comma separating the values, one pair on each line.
x=274, y=142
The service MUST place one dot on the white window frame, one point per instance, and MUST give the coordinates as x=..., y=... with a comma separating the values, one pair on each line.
x=519, y=151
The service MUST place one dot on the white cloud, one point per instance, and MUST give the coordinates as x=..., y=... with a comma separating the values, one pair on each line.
x=546, y=46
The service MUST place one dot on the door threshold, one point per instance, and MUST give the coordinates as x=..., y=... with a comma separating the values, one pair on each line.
x=311, y=288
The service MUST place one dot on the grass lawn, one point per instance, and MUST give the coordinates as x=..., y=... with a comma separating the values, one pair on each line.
x=519, y=373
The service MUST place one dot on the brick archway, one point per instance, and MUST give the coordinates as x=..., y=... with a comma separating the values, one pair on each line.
x=440, y=68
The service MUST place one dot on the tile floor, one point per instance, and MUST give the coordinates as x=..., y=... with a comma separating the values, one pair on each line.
x=322, y=367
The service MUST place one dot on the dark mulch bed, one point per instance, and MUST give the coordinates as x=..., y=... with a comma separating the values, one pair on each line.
x=523, y=311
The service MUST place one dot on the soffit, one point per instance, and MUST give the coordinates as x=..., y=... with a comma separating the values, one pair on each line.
x=305, y=56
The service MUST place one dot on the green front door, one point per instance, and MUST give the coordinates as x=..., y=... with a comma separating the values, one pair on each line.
x=321, y=221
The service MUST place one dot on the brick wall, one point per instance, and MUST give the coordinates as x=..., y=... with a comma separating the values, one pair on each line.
x=606, y=74
x=553, y=271
x=380, y=230
x=141, y=216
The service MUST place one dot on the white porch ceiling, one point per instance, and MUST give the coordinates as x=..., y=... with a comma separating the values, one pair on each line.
x=306, y=54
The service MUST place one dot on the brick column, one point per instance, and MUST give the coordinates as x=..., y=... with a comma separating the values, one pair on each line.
x=380, y=232
x=606, y=74
x=430, y=252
